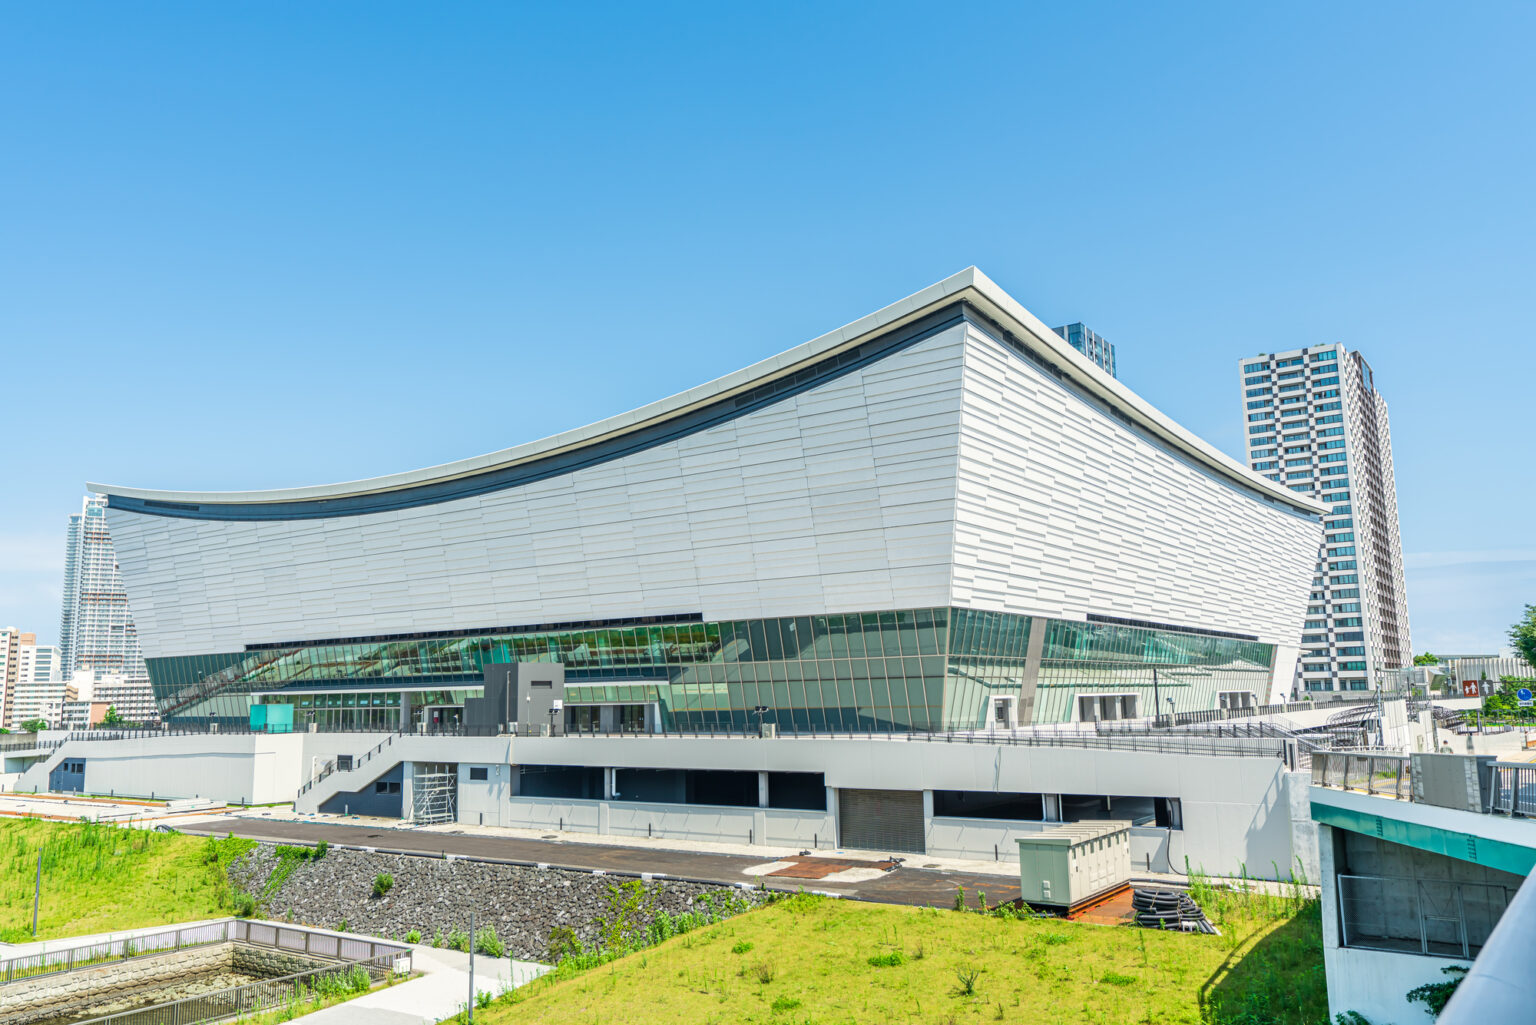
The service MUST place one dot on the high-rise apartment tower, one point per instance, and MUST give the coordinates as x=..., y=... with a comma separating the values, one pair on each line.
x=1316, y=423
x=96, y=630
x=1091, y=344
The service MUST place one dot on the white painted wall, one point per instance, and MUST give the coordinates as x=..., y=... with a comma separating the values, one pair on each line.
x=1236, y=811
x=675, y=821
x=249, y=768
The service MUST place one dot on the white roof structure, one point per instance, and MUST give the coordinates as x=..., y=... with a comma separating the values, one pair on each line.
x=970, y=286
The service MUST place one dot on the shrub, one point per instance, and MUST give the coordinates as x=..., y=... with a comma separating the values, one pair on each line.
x=458, y=940
x=320, y=849
x=959, y=898
x=245, y=904
x=765, y=971
x=487, y=943
x=966, y=975
x=741, y=947
x=382, y=884
x=1114, y=978
x=414, y=936
x=891, y=960
x=1435, y=995
x=785, y=1004
x=437, y=938
x=343, y=926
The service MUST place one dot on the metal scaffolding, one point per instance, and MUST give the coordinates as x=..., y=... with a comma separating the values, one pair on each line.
x=434, y=793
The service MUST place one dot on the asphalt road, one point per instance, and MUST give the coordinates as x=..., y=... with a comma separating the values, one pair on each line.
x=903, y=885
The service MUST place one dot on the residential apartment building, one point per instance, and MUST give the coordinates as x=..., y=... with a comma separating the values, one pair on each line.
x=27, y=671
x=39, y=686
x=96, y=628
x=1091, y=344
x=1317, y=425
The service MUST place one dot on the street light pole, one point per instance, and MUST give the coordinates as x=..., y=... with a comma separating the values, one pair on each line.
x=1157, y=704
x=471, y=1015
x=37, y=893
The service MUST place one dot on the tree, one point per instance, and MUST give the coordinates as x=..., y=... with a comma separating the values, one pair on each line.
x=1523, y=635
x=34, y=725
x=1506, y=700
x=112, y=718
x=1426, y=659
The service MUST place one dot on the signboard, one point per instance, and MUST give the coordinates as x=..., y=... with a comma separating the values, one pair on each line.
x=1524, y=694
x=1469, y=688
x=557, y=705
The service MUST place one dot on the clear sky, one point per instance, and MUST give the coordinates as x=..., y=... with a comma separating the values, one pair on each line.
x=249, y=245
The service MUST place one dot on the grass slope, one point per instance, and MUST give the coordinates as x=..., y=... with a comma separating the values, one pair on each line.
x=100, y=878
x=811, y=960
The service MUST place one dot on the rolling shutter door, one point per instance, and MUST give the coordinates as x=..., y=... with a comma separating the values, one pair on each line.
x=881, y=820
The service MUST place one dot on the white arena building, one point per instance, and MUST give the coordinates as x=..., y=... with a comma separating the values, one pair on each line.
x=937, y=521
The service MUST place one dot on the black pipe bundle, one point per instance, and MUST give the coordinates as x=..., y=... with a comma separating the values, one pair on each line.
x=1170, y=909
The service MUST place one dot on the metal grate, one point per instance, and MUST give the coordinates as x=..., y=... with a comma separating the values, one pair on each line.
x=881, y=820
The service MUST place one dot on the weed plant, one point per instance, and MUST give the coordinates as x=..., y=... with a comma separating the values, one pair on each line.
x=100, y=877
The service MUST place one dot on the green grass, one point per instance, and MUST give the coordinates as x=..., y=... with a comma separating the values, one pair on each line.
x=813, y=960
x=101, y=878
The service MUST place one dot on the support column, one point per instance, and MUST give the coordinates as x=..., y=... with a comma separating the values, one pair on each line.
x=1030, y=680
x=405, y=712
x=609, y=775
x=407, y=791
x=762, y=790
x=1052, y=807
x=833, y=840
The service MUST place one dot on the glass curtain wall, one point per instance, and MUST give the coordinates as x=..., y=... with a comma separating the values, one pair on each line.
x=913, y=669
x=1104, y=659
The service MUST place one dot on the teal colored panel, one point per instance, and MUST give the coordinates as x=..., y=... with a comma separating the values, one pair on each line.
x=1479, y=850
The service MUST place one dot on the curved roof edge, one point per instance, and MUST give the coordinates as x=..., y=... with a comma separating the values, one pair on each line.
x=970, y=285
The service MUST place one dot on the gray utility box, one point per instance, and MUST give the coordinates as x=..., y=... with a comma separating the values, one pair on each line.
x=1066, y=865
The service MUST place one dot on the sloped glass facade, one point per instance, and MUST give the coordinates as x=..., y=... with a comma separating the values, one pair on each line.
x=914, y=669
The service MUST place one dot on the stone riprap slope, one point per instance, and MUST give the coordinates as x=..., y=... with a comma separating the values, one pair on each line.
x=431, y=895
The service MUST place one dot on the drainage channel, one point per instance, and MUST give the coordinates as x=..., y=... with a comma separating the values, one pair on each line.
x=200, y=974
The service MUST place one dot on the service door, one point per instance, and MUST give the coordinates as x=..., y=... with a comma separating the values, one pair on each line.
x=881, y=820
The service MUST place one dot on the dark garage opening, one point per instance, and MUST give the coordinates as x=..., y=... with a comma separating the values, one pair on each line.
x=806, y=790
x=579, y=782
x=1141, y=811
x=983, y=804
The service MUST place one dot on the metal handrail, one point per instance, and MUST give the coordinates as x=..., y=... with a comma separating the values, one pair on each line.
x=228, y=930
x=1513, y=790
x=1388, y=775
x=357, y=763
x=251, y=998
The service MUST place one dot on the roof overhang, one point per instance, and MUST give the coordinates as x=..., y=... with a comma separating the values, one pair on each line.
x=970, y=287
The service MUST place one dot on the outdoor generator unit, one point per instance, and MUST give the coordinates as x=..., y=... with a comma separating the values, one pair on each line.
x=1068, y=865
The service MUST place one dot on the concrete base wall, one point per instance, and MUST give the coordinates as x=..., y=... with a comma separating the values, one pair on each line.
x=1376, y=982
x=674, y=821
x=239, y=768
x=1373, y=982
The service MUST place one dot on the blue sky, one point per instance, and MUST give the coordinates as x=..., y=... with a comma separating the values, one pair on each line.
x=250, y=245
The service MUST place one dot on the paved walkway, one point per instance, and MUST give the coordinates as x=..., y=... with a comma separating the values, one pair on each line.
x=442, y=990
x=907, y=884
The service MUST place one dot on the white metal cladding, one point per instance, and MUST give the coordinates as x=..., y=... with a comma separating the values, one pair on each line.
x=840, y=498
x=1064, y=510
